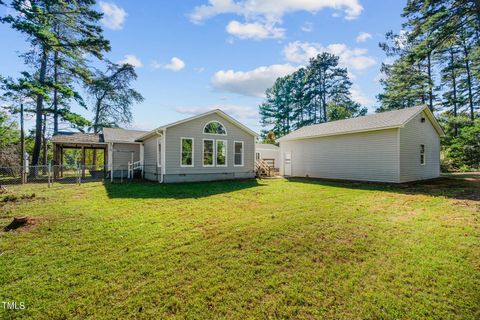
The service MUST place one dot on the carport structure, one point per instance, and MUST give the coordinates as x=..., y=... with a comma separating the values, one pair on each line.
x=77, y=140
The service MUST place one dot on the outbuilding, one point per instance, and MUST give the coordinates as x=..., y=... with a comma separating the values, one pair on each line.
x=395, y=146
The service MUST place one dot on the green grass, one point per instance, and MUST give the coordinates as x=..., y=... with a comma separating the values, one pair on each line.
x=245, y=249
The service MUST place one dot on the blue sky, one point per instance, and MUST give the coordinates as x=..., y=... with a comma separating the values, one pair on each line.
x=192, y=56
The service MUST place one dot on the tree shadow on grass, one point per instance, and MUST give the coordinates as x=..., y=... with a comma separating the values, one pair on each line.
x=146, y=190
x=458, y=186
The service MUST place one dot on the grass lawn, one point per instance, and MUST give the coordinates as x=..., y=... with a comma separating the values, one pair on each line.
x=246, y=249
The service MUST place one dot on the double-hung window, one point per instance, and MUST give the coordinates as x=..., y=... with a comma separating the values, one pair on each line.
x=208, y=152
x=238, y=153
x=186, y=159
x=221, y=154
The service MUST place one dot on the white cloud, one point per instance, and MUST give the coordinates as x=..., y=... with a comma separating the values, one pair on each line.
x=273, y=9
x=351, y=58
x=176, y=64
x=307, y=27
x=132, y=60
x=236, y=111
x=358, y=96
x=363, y=36
x=250, y=83
x=113, y=15
x=255, y=30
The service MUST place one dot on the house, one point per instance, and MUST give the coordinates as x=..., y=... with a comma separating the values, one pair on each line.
x=395, y=146
x=269, y=153
x=209, y=146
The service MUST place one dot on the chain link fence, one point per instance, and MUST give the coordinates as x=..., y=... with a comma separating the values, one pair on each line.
x=69, y=174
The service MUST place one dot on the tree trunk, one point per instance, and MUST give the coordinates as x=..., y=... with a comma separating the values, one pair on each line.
x=454, y=87
x=430, y=81
x=55, y=94
x=469, y=81
x=39, y=109
x=45, y=146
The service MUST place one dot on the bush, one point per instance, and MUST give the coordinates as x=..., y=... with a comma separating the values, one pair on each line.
x=463, y=152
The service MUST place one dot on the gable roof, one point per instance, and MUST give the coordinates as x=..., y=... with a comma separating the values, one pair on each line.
x=377, y=121
x=77, y=137
x=215, y=111
x=266, y=146
x=121, y=135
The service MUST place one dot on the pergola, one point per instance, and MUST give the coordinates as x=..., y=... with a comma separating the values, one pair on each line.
x=82, y=141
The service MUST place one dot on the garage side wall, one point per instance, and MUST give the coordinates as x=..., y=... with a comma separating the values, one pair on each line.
x=412, y=135
x=369, y=156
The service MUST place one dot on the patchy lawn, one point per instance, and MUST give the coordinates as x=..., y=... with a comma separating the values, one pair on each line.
x=245, y=249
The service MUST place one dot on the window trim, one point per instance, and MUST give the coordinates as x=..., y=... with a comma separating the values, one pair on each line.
x=243, y=153
x=193, y=152
x=226, y=153
x=423, y=154
x=215, y=134
x=213, y=153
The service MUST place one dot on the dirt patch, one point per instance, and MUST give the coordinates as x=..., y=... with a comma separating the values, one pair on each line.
x=22, y=223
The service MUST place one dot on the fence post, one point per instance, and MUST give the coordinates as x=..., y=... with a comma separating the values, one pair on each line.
x=49, y=174
x=121, y=177
x=80, y=173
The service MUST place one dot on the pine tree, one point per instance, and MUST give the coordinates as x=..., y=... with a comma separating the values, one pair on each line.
x=81, y=34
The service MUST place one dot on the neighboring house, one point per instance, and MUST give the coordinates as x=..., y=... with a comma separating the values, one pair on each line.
x=395, y=146
x=209, y=146
x=269, y=153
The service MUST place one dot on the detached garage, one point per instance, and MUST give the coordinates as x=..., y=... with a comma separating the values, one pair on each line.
x=396, y=146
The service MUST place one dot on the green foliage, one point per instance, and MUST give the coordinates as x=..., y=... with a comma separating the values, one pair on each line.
x=113, y=96
x=9, y=141
x=463, y=152
x=317, y=93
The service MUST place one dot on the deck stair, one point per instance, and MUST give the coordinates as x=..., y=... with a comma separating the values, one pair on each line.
x=264, y=169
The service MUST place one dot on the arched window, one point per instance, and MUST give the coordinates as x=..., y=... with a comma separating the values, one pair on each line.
x=214, y=127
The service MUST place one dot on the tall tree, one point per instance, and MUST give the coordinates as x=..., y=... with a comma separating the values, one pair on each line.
x=38, y=20
x=318, y=93
x=113, y=96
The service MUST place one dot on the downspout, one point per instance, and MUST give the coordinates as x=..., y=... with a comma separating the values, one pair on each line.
x=164, y=147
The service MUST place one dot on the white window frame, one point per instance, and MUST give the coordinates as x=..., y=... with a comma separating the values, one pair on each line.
x=243, y=154
x=213, y=155
x=193, y=152
x=225, y=142
x=215, y=134
x=424, y=155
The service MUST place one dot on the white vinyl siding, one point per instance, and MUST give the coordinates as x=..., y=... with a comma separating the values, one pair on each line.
x=194, y=129
x=368, y=156
x=123, y=153
x=412, y=136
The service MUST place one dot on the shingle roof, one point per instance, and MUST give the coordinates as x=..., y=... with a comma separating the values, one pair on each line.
x=77, y=137
x=377, y=121
x=266, y=146
x=121, y=135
